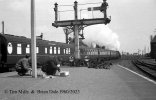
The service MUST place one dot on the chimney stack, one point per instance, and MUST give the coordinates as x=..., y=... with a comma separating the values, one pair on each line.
x=2, y=27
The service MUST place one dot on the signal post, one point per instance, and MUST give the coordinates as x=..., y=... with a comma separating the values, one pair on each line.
x=77, y=24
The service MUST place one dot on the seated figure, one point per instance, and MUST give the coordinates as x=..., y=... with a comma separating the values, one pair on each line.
x=51, y=66
x=23, y=65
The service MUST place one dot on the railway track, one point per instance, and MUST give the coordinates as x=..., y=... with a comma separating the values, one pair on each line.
x=148, y=68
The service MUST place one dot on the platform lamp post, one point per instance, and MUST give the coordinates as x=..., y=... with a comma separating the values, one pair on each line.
x=76, y=33
x=33, y=40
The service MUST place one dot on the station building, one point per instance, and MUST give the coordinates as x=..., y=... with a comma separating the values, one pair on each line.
x=153, y=47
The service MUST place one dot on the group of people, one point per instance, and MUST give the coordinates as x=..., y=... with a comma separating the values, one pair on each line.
x=23, y=66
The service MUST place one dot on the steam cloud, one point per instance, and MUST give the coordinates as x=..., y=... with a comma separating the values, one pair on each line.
x=101, y=35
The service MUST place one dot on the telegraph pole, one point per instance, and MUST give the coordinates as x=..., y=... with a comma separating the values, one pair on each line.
x=33, y=40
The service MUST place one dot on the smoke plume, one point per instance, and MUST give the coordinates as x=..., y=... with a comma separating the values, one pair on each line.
x=102, y=36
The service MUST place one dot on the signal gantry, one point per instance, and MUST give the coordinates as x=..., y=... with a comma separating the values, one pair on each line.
x=77, y=25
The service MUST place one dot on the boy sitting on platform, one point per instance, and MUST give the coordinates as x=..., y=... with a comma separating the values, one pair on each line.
x=51, y=67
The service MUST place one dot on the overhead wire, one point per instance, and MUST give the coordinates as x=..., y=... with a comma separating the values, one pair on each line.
x=66, y=5
x=82, y=4
x=65, y=10
x=90, y=3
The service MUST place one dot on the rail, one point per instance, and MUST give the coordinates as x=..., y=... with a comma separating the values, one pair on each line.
x=148, y=68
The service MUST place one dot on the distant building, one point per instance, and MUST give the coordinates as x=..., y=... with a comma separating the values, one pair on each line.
x=153, y=47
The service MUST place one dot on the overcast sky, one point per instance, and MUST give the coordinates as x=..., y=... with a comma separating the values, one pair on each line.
x=133, y=21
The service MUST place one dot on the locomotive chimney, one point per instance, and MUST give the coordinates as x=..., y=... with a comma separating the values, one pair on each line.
x=2, y=27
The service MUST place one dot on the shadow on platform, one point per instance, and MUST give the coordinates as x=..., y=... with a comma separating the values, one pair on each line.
x=29, y=76
x=14, y=75
x=17, y=76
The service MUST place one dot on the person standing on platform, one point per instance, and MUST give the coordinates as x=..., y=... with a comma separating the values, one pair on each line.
x=23, y=66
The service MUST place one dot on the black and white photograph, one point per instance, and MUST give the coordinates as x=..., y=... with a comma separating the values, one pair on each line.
x=77, y=50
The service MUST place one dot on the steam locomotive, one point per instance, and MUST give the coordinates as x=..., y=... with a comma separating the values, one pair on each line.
x=12, y=48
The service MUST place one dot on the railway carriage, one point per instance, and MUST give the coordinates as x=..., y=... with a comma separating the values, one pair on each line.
x=17, y=47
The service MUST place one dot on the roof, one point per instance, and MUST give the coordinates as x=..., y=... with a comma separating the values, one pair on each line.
x=14, y=38
x=154, y=39
x=22, y=39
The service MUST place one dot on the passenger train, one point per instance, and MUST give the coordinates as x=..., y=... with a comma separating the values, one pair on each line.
x=12, y=48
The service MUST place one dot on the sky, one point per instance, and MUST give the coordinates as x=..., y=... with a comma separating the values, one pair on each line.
x=132, y=21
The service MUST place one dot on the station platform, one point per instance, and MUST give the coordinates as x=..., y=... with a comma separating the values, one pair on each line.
x=83, y=83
